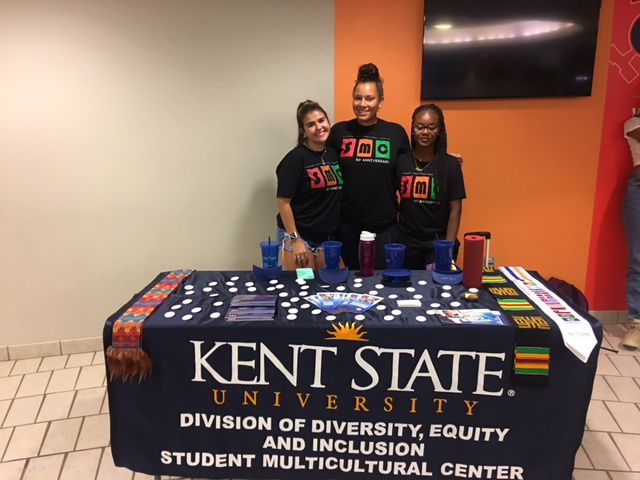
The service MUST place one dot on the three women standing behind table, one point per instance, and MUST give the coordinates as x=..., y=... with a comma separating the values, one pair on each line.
x=431, y=187
x=309, y=189
x=376, y=162
x=368, y=154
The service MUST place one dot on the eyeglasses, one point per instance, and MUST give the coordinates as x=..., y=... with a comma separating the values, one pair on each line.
x=432, y=127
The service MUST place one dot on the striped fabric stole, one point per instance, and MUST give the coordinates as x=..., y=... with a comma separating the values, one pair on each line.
x=126, y=359
x=531, y=360
x=532, y=356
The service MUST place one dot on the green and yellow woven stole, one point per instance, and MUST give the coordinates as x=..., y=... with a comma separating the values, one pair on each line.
x=532, y=357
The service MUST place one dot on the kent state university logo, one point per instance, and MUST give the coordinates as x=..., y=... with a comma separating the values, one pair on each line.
x=349, y=332
x=365, y=148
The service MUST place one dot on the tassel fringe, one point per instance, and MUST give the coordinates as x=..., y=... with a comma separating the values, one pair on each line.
x=128, y=363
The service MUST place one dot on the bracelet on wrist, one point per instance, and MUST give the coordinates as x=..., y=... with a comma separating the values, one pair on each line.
x=293, y=236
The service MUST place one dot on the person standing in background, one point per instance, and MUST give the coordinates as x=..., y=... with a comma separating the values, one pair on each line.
x=631, y=217
x=309, y=188
x=368, y=149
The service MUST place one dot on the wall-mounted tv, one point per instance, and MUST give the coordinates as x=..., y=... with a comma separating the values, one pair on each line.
x=508, y=48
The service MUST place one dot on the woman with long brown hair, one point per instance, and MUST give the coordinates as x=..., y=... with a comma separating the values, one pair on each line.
x=309, y=188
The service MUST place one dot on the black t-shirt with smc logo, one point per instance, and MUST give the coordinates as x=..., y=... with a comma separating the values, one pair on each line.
x=368, y=158
x=424, y=205
x=313, y=182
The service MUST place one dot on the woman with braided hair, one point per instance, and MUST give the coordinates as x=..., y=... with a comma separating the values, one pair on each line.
x=431, y=188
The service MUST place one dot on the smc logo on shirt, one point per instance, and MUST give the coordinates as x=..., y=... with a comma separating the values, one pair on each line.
x=419, y=187
x=325, y=176
x=365, y=148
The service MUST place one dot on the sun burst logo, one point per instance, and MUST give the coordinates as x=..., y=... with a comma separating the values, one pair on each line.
x=348, y=331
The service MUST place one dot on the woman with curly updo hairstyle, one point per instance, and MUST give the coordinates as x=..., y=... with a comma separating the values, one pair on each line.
x=368, y=149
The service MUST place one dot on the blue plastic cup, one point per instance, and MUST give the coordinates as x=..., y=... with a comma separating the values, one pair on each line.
x=269, y=254
x=332, y=252
x=394, y=255
x=444, y=255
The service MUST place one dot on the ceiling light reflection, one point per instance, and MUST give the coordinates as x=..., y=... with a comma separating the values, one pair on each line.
x=508, y=31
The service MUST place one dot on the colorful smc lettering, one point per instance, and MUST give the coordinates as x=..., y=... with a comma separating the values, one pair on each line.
x=365, y=148
x=325, y=176
x=420, y=187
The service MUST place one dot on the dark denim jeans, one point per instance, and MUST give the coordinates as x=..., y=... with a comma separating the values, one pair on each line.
x=631, y=216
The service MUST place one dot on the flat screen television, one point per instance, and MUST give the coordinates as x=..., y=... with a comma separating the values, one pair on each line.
x=508, y=48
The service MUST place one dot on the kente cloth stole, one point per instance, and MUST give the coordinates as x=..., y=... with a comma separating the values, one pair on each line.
x=125, y=357
x=577, y=333
x=532, y=357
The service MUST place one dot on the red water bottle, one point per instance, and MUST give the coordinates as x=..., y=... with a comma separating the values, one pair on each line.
x=473, y=261
x=367, y=253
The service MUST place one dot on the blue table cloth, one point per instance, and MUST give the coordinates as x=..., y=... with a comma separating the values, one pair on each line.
x=405, y=396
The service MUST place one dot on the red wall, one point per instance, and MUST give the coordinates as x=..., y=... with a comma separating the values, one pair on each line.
x=530, y=165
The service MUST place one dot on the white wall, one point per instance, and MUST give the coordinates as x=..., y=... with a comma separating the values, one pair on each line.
x=137, y=137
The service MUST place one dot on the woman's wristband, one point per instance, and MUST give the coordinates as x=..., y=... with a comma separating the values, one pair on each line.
x=291, y=236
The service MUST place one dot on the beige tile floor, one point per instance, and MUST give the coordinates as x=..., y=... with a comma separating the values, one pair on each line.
x=54, y=419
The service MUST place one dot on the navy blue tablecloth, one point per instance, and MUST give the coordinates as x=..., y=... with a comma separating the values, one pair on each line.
x=285, y=399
